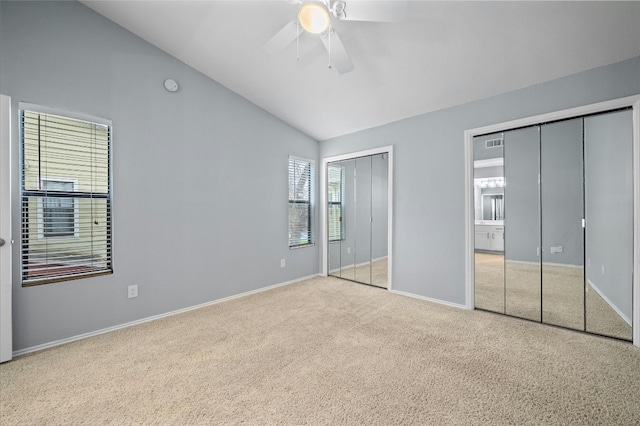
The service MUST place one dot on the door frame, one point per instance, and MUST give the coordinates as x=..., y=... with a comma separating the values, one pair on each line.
x=323, y=205
x=630, y=101
x=6, y=329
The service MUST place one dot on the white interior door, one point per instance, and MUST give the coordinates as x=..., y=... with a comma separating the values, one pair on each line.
x=6, y=346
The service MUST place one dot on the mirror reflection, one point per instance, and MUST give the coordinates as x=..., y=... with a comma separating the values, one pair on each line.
x=562, y=210
x=489, y=222
x=561, y=194
x=609, y=223
x=357, y=206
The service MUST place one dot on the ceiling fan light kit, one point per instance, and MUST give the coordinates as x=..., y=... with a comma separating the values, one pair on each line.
x=314, y=17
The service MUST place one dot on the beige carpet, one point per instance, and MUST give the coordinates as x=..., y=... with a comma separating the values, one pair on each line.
x=327, y=351
x=374, y=274
x=562, y=295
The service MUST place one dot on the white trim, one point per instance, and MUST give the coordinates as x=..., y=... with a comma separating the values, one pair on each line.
x=6, y=328
x=154, y=317
x=609, y=302
x=323, y=205
x=541, y=264
x=490, y=162
x=636, y=222
x=429, y=299
x=629, y=101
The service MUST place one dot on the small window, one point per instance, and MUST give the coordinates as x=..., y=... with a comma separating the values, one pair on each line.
x=59, y=214
x=65, y=196
x=301, y=203
x=335, y=199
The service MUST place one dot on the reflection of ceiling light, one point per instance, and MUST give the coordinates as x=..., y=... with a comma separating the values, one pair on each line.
x=313, y=17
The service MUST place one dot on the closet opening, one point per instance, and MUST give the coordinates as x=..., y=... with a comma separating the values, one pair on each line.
x=552, y=209
x=356, y=217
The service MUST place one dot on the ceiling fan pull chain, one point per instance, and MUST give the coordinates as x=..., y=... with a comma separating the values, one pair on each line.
x=297, y=40
x=329, y=35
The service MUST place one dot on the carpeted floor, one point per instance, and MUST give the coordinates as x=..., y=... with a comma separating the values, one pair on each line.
x=562, y=293
x=327, y=351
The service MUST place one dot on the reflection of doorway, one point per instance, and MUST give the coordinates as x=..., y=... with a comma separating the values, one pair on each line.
x=356, y=200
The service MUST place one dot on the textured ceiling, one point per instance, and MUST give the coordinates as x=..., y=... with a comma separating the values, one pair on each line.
x=444, y=54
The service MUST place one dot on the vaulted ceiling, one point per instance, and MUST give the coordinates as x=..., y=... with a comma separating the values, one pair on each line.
x=443, y=54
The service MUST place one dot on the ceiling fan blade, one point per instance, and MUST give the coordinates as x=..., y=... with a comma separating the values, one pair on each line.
x=339, y=56
x=374, y=10
x=283, y=38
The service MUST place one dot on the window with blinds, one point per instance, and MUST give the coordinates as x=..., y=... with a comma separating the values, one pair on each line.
x=66, y=198
x=301, y=205
x=335, y=202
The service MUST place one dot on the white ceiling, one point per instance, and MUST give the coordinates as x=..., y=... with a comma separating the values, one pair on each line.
x=444, y=54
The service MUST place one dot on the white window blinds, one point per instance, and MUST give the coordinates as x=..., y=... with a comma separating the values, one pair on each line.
x=66, y=198
x=301, y=205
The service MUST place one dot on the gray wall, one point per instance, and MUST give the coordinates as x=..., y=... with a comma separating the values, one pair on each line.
x=200, y=176
x=609, y=206
x=429, y=244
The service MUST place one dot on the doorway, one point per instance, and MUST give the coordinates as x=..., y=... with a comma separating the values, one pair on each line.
x=357, y=216
x=5, y=230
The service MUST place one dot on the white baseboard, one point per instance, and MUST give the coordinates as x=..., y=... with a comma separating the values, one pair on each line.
x=153, y=318
x=563, y=265
x=429, y=299
x=609, y=302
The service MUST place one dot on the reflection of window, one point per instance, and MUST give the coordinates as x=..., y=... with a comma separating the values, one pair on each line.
x=301, y=208
x=335, y=188
x=66, y=221
x=59, y=216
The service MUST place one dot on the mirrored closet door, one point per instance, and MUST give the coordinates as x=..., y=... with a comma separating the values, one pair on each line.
x=357, y=210
x=566, y=214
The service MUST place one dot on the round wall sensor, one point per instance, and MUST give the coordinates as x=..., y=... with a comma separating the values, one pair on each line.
x=171, y=85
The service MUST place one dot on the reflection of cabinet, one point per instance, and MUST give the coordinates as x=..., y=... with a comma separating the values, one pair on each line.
x=490, y=237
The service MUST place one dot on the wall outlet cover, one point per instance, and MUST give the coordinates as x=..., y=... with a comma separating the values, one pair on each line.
x=132, y=291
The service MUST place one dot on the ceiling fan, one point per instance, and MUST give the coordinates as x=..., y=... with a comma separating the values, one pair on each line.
x=315, y=17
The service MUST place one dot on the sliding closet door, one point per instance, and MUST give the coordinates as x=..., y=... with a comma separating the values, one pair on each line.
x=562, y=211
x=347, y=245
x=609, y=223
x=379, y=225
x=362, y=244
x=489, y=207
x=522, y=223
x=357, y=209
x=335, y=215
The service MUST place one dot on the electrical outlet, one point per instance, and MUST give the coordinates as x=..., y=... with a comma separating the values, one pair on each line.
x=603, y=270
x=132, y=291
x=283, y=263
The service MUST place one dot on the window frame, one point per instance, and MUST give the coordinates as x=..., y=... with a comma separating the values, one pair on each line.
x=108, y=197
x=41, y=209
x=310, y=203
